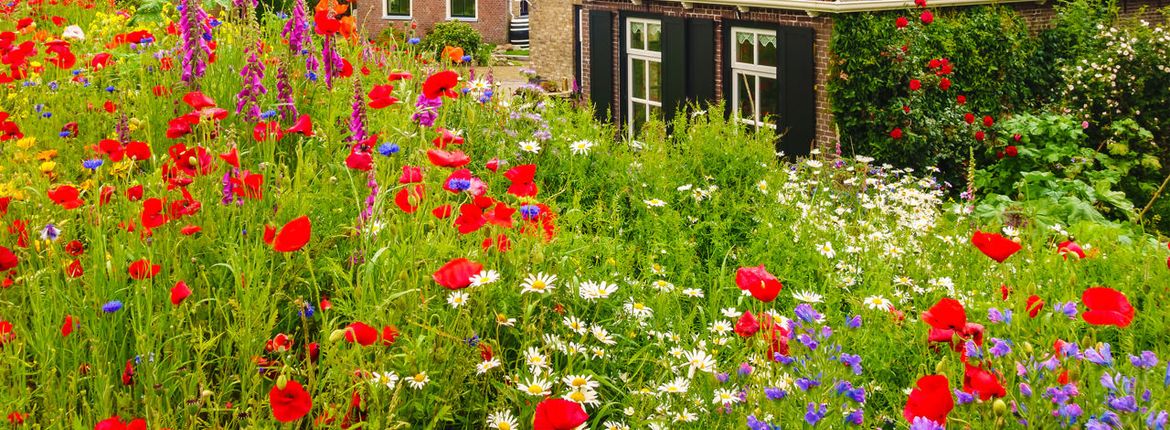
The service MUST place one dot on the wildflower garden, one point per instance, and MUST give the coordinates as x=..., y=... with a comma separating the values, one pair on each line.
x=232, y=216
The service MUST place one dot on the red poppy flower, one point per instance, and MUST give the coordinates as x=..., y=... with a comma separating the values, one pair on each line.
x=303, y=125
x=410, y=175
x=389, y=335
x=1067, y=247
x=179, y=293
x=558, y=414
x=292, y=237
x=747, y=326
x=763, y=286
x=74, y=269
x=493, y=164
x=382, y=96
x=267, y=130
x=457, y=273
x=289, y=403
x=143, y=269
x=198, y=101
x=279, y=343
x=445, y=138
x=408, y=198
x=361, y=333
x=248, y=185
x=4, y=202
x=977, y=380
x=6, y=334
x=1034, y=305
x=501, y=243
x=189, y=230
x=152, y=213
x=930, y=399
x=68, y=326
x=75, y=248
x=901, y=22
x=134, y=193
x=16, y=418
x=192, y=161
x=128, y=373
x=443, y=158
x=442, y=212
x=1107, y=307
x=8, y=260
x=993, y=245
x=522, y=178
x=948, y=322
x=441, y=84
x=66, y=196
x=115, y=423
x=398, y=76
x=359, y=160
x=63, y=58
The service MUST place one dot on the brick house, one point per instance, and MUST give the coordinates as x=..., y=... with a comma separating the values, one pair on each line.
x=762, y=57
x=491, y=18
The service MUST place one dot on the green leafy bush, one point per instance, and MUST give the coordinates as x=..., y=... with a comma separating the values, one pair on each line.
x=457, y=34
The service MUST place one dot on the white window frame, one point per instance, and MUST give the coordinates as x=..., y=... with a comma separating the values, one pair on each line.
x=751, y=69
x=447, y=6
x=641, y=53
x=387, y=16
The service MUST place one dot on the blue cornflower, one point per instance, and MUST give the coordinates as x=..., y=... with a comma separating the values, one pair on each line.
x=529, y=212
x=50, y=232
x=267, y=114
x=775, y=393
x=112, y=306
x=53, y=85
x=473, y=340
x=39, y=107
x=312, y=76
x=786, y=360
x=458, y=184
x=92, y=164
x=466, y=59
x=815, y=414
x=1068, y=309
x=388, y=149
x=215, y=22
x=46, y=115
x=207, y=36
x=282, y=15
x=146, y=41
x=308, y=311
x=64, y=133
x=110, y=89
x=413, y=41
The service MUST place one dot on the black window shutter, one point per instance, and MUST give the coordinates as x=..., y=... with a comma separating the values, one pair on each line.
x=701, y=60
x=798, y=99
x=674, y=65
x=601, y=63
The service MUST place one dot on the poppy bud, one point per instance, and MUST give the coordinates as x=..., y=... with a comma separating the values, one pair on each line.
x=1028, y=347
x=337, y=335
x=206, y=393
x=999, y=407
x=281, y=382
x=940, y=367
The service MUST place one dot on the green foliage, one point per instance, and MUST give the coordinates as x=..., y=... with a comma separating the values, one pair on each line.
x=993, y=56
x=1053, y=177
x=457, y=34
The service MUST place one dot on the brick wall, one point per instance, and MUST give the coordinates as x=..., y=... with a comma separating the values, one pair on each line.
x=551, y=38
x=492, y=20
x=822, y=27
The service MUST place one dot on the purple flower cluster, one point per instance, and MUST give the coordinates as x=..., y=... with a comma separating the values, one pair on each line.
x=426, y=110
x=296, y=30
x=247, y=100
x=195, y=33
x=357, y=116
x=284, y=96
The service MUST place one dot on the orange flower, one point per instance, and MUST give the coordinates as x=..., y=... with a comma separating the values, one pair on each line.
x=453, y=53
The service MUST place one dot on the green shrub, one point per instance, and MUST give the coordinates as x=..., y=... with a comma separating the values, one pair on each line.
x=454, y=33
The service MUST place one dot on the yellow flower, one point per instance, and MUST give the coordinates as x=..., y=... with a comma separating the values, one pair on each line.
x=47, y=155
x=26, y=142
x=48, y=166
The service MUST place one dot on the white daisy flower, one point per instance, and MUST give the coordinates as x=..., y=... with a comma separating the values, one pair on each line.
x=457, y=299
x=484, y=277
x=807, y=296
x=538, y=283
x=419, y=380
x=581, y=147
x=654, y=203
x=536, y=387
x=530, y=146
x=877, y=303
x=485, y=366
x=502, y=420
x=389, y=379
x=575, y=325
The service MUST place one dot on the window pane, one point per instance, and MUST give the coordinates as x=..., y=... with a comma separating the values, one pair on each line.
x=767, y=46
x=655, y=76
x=639, y=117
x=745, y=86
x=744, y=48
x=769, y=98
x=638, y=79
x=462, y=8
x=655, y=112
x=654, y=37
x=398, y=7
x=637, y=35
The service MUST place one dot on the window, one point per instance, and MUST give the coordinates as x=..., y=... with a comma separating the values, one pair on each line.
x=396, y=9
x=461, y=9
x=523, y=8
x=644, y=72
x=755, y=94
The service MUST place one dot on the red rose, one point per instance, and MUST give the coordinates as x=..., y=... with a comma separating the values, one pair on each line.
x=1011, y=151
x=968, y=117
x=988, y=121
x=926, y=17
x=944, y=84
x=896, y=133
x=915, y=84
x=961, y=99
x=979, y=135
x=901, y=22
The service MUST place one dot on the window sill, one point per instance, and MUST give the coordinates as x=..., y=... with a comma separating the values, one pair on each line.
x=455, y=18
x=397, y=17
